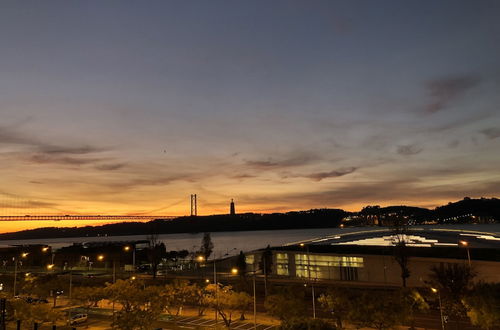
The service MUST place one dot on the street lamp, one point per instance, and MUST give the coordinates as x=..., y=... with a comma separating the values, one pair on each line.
x=440, y=306
x=466, y=245
x=313, y=296
x=24, y=255
x=127, y=248
x=234, y=271
x=254, y=297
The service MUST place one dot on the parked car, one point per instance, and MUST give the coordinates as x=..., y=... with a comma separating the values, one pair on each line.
x=78, y=318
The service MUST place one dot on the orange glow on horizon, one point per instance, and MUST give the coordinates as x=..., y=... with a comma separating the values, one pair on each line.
x=12, y=226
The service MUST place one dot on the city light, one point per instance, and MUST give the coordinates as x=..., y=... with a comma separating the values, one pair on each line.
x=49, y=267
x=24, y=254
x=234, y=271
x=464, y=243
x=45, y=249
x=126, y=248
x=200, y=258
x=100, y=257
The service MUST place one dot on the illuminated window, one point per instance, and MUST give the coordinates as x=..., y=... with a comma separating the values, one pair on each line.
x=323, y=260
x=282, y=264
x=325, y=266
x=250, y=259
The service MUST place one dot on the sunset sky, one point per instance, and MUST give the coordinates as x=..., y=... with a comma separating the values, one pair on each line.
x=121, y=107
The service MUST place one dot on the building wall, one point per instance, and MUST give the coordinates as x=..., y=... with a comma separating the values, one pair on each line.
x=375, y=269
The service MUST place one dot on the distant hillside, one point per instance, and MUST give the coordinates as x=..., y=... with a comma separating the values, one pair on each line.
x=320, y=218
x=468, y=210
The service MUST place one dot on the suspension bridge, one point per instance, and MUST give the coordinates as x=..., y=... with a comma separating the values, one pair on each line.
x=85, y=217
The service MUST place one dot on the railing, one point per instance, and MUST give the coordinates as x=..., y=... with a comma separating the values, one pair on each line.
x=83, y=217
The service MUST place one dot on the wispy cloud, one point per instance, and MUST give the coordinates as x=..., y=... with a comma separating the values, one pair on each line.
x=331, y=174
x=300, y=159
x=445, y=90
x=27, y=204
x=110, y=166
x=491, y=133
x=47, y=159
x=408, y=150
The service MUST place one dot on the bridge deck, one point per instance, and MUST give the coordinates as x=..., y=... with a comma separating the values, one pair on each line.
x=83, y=217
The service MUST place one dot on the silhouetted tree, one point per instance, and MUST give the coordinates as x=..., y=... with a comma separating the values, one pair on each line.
x=155, y=251
x=206, y=246
x=266, y=264
x=401, y=252
x=483, y=305
x=453, y=281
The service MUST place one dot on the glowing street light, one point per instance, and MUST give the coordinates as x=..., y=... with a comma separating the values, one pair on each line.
x=24, y=254
x=200, y=258
x=50, y=267
x=465, y=244
x=440, y=306
x=45, y=249
x=100, y=257
x=127, y=248
x=234, y=271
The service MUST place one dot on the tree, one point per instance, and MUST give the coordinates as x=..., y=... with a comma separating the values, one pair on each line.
x=200, y=298
x=414, y=302
x=381, y=310
x=338, y=302
x=287, y=304
x=141, y=306
x=88, y=296
x=226, y=301
x=453, y=282
x=206, y=246
x=177, y=294
x=34, y=313
x=266, y=264
x=483, y=305
x=241, y=264
x=156, y=251
x=401, y=251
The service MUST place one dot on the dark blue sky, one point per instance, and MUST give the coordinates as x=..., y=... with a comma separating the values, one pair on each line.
x=122, y=106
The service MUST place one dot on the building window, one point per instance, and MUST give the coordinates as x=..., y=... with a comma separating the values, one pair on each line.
x=324, y=266
x=282, y=264
x=348, y=273
x=250, y=259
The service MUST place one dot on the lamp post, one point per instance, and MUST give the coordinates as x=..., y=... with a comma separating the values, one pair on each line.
x=440, y=306
x=234, y=271
x=313, y=296
x=23, y=255
x=200, y=259
x=466, y=245
x=128, y=248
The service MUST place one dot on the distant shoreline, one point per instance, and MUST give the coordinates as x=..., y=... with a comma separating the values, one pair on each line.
x=468, y=210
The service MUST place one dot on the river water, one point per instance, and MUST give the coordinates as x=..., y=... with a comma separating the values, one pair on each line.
x=233, y=242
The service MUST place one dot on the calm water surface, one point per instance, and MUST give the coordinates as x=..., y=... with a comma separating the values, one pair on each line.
x=233, y=242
